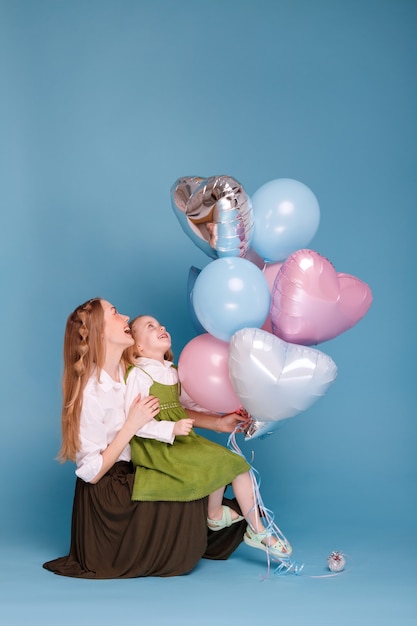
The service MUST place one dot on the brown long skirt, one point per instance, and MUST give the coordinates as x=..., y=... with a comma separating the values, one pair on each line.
x=115, y=537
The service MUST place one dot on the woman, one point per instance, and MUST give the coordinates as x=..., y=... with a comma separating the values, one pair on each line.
x=112, y=536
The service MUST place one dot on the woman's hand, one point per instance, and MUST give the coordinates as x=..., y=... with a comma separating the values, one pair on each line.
x=141, y=411
x=221, y=423
x=183, y=427
x=227, y=423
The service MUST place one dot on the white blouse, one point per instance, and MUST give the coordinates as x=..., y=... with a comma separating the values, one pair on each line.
x=102, y=416
x=139, y=382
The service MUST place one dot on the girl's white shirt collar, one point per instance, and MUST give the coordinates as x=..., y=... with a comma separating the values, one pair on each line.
x=144, y=360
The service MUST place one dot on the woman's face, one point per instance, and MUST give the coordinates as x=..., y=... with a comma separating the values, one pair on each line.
x=151, y=339
x=116, y=329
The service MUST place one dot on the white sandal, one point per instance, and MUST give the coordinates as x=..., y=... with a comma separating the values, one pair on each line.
x=225, y=521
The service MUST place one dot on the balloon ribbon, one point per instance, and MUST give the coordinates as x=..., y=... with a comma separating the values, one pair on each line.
x=285, y=564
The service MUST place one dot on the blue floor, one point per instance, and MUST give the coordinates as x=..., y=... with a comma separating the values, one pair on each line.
x=378, y=586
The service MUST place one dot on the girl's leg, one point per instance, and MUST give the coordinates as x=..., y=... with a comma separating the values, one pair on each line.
x=215, y=506
x=215, y=501
x=243, y=490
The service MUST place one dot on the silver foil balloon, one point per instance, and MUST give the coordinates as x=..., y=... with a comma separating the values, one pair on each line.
x=260, y=430
x=273, y=379
x=216, y=213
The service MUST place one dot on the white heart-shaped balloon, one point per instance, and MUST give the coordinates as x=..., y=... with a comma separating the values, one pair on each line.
x=274, y=379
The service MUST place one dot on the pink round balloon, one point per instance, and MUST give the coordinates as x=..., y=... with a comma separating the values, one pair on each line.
x=311, y=302
x=203, y=370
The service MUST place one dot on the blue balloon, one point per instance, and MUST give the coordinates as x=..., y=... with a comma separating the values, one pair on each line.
x=192, y=277
x=230, y=294
x=286, y=217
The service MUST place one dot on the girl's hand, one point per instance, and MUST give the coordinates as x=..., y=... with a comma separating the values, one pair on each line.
x=141, y=411
x=183, y=427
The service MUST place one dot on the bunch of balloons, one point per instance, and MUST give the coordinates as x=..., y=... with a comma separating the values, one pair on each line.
x=262, y=301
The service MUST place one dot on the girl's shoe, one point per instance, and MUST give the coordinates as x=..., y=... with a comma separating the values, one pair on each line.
x=225, y=521
x=280, y=548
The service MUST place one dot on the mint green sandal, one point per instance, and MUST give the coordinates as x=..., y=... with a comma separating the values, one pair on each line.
x=225, y=521
x=280, y=549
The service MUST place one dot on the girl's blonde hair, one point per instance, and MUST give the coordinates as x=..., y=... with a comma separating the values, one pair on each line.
x=131, y=353
x=84, y=352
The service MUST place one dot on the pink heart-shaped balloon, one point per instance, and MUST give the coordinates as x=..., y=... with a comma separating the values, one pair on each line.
x=311, y=302
x=270, y=271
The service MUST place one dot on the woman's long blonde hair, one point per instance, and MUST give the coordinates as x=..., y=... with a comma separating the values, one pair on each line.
x=84, y=352
x=131, y=353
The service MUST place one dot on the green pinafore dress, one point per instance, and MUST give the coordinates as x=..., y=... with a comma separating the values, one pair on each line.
x=190, y=468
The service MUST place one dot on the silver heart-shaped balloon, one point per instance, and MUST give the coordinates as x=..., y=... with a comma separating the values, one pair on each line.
x=216, y=213
x=274, y=379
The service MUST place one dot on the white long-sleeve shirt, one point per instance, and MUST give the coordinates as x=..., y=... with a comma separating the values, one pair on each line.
x=139, y=382
x=102, y=416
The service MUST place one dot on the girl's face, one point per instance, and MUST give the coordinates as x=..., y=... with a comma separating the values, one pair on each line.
x=151, y=339
x=116, y=329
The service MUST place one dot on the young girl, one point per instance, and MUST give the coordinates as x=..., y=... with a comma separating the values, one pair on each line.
x=173, y=462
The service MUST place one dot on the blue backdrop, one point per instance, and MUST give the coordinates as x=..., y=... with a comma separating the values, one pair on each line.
x=104, y=105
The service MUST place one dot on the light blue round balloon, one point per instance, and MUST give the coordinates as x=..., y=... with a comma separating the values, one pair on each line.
x=286, y=217
x=192, y=277
x=230, y=294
